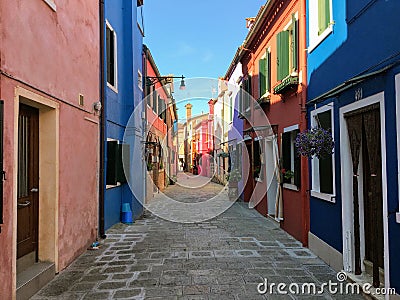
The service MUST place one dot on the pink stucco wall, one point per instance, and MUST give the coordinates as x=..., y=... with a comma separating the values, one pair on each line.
x=54, y=53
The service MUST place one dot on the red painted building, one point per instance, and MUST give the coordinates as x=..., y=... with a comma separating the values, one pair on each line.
x=161, y=115
x=273, y=57
x=49, y=83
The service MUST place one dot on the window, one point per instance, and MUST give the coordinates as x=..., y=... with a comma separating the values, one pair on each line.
x=258, y=160
x=155, y=100
x=324, y=15
x=149, y=94
x=290, y=158
x=162, y=109
x=264, y=69
x=115, y=165
x=140, y=80
x=287, y=47
x=111, y=49
x=320, y=21
x=245, y=96
x=323, y=169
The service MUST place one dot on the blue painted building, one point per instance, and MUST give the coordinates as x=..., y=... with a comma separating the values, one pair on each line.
x=123, y=95
x=234, y=76
x=354, y=89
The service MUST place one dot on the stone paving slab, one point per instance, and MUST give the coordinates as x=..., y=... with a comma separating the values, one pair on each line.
x=222, y=258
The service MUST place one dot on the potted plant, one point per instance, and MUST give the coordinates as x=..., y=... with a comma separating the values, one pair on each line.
x=315, y=142
x=287, y=174
x=256, y=173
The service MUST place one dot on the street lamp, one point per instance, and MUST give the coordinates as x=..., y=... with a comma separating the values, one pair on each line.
x=151, y=80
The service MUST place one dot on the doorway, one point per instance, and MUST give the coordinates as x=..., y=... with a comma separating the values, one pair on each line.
x=28, y=182
x=364, y=134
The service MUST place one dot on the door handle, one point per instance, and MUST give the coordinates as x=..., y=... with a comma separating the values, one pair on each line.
x=25, y=204
x=34, y=190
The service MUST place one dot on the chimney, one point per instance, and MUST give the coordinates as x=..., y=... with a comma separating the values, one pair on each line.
x=188, y=111
x=250, y=22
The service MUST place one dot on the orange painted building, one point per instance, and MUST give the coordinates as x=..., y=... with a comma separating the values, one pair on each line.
x=273, y=58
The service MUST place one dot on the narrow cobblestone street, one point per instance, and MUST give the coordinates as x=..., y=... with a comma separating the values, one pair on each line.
x=222, y=258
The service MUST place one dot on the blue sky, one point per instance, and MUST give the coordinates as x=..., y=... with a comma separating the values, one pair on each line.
x=196, y=38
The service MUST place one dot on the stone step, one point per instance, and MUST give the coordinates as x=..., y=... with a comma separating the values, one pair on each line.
x=33, y=278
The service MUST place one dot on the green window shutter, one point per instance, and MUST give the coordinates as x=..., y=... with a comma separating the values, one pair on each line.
x=148, y=93
x=247, y=95
x=283, y=54
x=155, y=101
x=249, y=84
x=294, y=42
x=268, y=71
x=323, y=15
x=262, y=78
x=278, y=56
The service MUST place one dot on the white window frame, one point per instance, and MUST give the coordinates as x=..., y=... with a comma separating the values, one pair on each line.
x=314, y=39
x=51, y=4
x=397, y=87
x=140, y=80
x=291, y=129
x=110, y=186
x=315, y=188
x=114, y=87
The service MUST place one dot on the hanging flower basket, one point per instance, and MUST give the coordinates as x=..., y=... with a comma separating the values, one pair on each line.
x=315, y=142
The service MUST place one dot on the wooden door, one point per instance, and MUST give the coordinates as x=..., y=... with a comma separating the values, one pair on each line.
x=372, y=193
x=28, y=180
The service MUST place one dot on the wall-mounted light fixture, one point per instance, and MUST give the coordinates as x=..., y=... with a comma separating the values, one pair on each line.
x=151, y=80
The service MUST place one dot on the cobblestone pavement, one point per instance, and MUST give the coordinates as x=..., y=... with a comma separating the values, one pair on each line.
x=222, y=258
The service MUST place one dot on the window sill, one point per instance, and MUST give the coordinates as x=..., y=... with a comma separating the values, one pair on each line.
x=111, y=186
x=323, y=196
x=290, y=186
x=112, y=87
x=318, y=40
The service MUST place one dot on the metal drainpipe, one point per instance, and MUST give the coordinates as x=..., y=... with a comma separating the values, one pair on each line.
x=303, y=123
x=102, y=122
